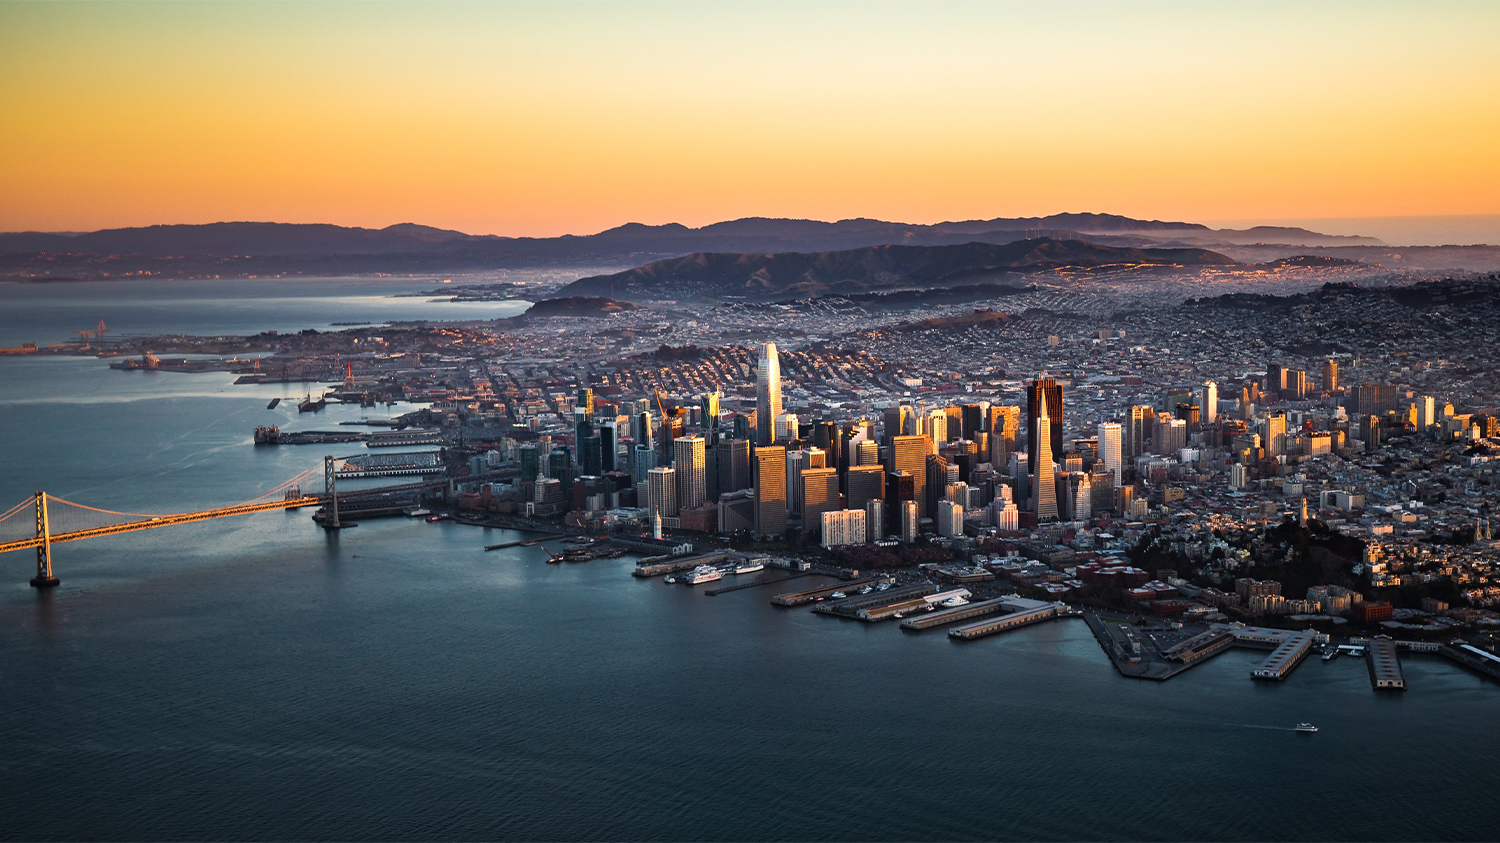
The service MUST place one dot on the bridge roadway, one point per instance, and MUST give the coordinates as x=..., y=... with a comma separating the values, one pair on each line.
x=158, y=521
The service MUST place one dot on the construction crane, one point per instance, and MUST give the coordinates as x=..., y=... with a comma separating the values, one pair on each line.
x=87, y=335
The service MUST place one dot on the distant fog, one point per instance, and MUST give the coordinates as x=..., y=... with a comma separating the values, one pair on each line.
x=1396, y=231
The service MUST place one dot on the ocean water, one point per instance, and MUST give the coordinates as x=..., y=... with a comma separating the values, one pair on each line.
x=256, y=678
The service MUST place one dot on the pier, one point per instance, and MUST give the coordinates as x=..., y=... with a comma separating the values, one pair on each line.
x=1285, y=658
x=1384, y=665
x=1024, y=613
x=672, y=566
x=798, y=598
x=1477, y=660
x=879, y=605
x=737, y=586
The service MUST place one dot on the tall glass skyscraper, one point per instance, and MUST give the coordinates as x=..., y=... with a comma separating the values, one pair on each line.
x=767, y=394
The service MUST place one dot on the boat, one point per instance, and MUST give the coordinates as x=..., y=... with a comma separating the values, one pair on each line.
x=954, y=602
x=274, y=402
x=670, y=580
x=308, y=405
x=837, y=595
x=899, y=615
x=1305, y=727
x=418, y=512
x=703, y=573
x=864, y=589
x=433, y=519
x=748, y=568
x=267, y=435
x=883, y=586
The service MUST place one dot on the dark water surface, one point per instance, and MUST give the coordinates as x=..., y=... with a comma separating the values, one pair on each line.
x=254, y=678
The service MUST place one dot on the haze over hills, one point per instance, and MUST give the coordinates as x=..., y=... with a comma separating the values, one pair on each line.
x=247, y=248
x=786, y=275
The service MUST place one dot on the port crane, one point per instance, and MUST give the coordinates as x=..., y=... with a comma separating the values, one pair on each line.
x=87, y=335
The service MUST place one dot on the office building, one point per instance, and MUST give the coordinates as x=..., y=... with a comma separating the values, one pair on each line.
x=1111, y=451
x=690, y=462
x=909, y=454
x=732, y=465
x=1044, y=397
x=840, y=528
x=661, y=492
x=820, y=494
x=767, y=394
x=1045, y=491
x=770, y=491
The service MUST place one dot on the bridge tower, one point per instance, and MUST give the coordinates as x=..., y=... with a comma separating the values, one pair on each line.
x=43, y=578
x=331, y=489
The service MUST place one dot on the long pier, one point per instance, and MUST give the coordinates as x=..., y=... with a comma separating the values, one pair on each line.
x=682, y=563
x=961, y=613
x=798, y=598
x=990, y=626
x=739, y=585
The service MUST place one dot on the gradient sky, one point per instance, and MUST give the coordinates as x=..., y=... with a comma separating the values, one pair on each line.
x=521, y=118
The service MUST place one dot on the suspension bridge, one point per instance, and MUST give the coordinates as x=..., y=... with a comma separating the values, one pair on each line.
x=56, y=520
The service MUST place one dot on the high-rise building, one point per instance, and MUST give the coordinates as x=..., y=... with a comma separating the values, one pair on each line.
x=708, y=410
x=1369, y=432
x=864, y=483
x=586, y=401
x=843, y=527
x=786, y=428
x=661, y=492
x=895, y=421
x=1375, y=399
x=1426, y=412
x=909, y=454
x=908, y=522
x=1276, y=435
x=1045, y=493
x=733, y=465
x=1044, y=397
x=874, y=520
x=609, y=445
x=866, y=452
x=641, y=430
x=770, y=491
x=935, y=425
x=1208, y=402
x=973, y=420
x=950, y=519
x=1137, y=430
x=1110, y=448
x=690, y=462
x=645, y=460
x=1330, y=375
x=767, y=394
x=899, y=490
x=820, y=494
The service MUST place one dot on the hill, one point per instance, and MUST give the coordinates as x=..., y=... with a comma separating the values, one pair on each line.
x=250, y=248
x=809, y=274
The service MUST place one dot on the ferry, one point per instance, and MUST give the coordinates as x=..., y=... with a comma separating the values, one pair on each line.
x=702, y=574
x=1304, y=727
x=749, y=568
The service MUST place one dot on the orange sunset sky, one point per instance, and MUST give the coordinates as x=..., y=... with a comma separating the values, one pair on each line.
x=547, y=118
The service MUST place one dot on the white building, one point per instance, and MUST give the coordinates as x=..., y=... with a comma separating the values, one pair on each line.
x=844, y=527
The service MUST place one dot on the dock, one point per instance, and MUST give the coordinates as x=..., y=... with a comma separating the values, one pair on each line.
x=961, y=613
x=1473, y=658
x=1200, y=647
x=737, y=586
x=1026, y=612
x=681, y=563
x=880, y=605
x=1285, y=658
x=798, y=598
x=1384, y=665
x=523, y=542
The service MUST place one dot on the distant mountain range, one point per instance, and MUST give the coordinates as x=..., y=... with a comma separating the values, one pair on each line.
x=246, y=248
x=789, y=275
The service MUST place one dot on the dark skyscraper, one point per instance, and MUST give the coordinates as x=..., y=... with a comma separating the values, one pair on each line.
x=1050, y=391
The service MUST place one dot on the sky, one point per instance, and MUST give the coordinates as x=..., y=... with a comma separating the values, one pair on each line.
x=523, y=118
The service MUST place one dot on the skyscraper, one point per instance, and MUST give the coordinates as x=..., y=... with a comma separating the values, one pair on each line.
x=770, y=491
x=1137, y=430
x=1330, y=375
x=1046, y=476
x=1044, y=397
x=895, y=421
x=690, y=461
x=909, y=454
x=708, y=407
x=733, y=465
x=767, y=394
x=1208, y=402
x=1110, y=451
x=661, y=492
x=820, y=494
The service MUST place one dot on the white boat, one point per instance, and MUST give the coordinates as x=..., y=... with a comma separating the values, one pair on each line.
x=1305, y=727
x=749, y=568
x=703, y=573
x=954, y=602
x=837, y=595
x=418, y=512
x=864, y=589
x=883, y=586
x=670, y=580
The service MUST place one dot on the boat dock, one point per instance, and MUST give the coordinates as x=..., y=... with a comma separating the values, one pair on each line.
x=681, y=563
x=1385, y=666
x=1285, y=658
x=879, y=605
x=961, y=613
x=737, y=586
x=798, y=598
x=523, y=542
